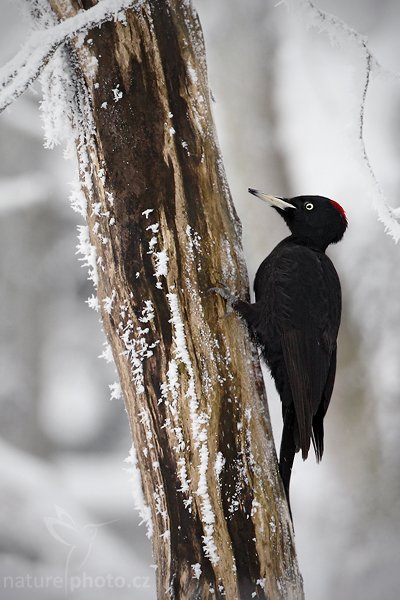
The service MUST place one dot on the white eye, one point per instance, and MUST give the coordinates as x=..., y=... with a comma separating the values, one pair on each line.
x=309, y=206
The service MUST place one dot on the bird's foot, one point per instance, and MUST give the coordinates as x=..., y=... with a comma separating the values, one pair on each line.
x=226, y=295
x=223, y=292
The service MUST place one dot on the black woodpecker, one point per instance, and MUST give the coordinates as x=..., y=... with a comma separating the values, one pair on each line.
x=295, y=319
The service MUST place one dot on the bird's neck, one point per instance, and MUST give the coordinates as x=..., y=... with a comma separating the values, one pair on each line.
x=313, y=244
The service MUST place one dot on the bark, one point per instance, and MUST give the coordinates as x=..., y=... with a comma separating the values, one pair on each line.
x=155, y=187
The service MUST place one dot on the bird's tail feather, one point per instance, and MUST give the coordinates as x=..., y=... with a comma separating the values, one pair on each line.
x=287, y=450
x=318, y=434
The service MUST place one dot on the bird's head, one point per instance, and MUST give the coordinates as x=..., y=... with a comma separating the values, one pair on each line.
x=314, y=220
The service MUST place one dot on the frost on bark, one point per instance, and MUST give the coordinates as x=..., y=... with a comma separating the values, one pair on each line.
x=162, y=230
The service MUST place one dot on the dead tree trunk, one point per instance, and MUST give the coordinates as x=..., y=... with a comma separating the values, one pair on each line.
x=164, y=230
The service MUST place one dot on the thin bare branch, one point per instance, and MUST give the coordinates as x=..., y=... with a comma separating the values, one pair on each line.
x=337, y=30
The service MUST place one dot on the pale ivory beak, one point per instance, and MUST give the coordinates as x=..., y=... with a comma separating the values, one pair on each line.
x=272, y=200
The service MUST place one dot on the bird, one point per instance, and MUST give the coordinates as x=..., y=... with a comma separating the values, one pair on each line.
x=78, y=539
x=295, y=319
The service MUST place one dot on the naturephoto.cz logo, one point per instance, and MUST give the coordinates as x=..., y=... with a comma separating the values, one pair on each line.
x=74, y=583
x=78, y=541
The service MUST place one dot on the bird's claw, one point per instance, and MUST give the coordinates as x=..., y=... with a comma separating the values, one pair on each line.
x=225, y=294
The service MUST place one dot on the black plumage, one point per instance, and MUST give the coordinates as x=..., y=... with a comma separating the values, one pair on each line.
x=296, y=318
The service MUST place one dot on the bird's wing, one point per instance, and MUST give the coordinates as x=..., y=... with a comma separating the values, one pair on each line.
x=299, y=289
x=307, y=367
x=304, y=300
x=318, y=420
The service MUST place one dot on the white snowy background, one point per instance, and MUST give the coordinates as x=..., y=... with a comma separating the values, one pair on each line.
x=288, y=89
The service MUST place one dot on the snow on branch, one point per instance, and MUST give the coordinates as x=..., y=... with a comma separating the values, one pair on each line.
x=337, y=31
x=20, y=72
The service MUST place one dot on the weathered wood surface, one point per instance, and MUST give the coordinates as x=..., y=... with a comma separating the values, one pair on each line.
x=155, y=188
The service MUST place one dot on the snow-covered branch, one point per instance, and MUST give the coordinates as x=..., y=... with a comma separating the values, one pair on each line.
x=338, y=31
x=18, y=74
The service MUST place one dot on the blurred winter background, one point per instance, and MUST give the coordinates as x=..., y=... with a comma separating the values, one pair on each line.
x=288, y=100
